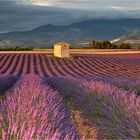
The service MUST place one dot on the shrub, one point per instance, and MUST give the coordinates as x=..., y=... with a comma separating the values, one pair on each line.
x=32, y=110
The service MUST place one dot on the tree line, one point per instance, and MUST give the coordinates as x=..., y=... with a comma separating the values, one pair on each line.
x=106, y=45
x=16, y=48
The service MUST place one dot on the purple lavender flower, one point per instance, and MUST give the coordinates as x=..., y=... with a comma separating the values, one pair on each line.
x=32, y=109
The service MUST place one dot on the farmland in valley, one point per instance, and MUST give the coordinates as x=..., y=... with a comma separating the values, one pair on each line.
x=92, y=96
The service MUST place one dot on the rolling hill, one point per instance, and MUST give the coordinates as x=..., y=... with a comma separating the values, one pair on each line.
x=133, y=39
x=99, y=29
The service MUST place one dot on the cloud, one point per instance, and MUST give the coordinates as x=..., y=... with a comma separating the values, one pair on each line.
x=88, y=4
x=118, y=8
x=28, y=14
x=37, y=3
x=18, y=16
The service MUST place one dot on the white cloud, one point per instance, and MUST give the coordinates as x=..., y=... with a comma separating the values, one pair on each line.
x=89, y=4
x=118, y=8
x=39, y=3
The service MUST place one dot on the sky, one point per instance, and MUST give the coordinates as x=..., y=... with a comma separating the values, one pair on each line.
x=89, y=4
x=21, y=15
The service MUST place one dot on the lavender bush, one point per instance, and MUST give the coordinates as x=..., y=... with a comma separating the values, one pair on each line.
x=129, y=84
x=6, y=82
x=114, y=111
x=32, y=110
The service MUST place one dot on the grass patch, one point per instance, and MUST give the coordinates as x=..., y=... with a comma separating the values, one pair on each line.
x=1, y=97
x=69, y=102
x=88, y=134
x=124, y=86
x=138, y=91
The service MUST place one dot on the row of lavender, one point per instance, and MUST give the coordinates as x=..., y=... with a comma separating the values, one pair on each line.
x=32, y=110
x=114, y=111
x=90, y=66
x=38, y=112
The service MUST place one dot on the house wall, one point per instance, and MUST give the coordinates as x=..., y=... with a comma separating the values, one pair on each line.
x=57, y=50
x=65, y=51
x=61, y=50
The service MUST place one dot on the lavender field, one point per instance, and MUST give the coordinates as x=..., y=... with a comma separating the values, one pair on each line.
x=86, y=97
x=102, y=65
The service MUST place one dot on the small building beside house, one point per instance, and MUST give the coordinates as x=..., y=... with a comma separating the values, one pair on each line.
x=61, y=49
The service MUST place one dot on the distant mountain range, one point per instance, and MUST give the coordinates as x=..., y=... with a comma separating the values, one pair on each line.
x=96, y=29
